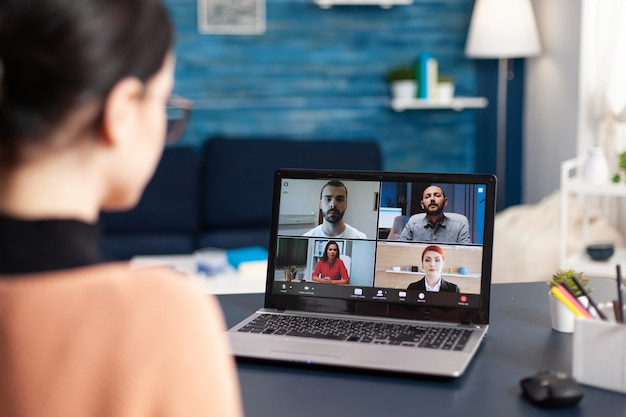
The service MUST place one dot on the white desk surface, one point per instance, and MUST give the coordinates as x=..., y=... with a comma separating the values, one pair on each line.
x=248, y=278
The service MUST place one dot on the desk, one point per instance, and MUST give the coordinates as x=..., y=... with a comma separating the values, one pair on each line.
x=520, y=342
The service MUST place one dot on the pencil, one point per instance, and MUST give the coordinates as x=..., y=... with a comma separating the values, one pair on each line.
x=567, y=292
x=558, y=293
x=620, y=300
x=586, y=294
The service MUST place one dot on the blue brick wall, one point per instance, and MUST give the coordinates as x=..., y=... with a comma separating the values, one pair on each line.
x=319, y=73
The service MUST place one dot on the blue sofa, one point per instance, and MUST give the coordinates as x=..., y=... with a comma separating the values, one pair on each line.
x=220, y=195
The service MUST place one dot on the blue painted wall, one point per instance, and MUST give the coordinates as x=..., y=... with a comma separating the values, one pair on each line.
x=319, y=73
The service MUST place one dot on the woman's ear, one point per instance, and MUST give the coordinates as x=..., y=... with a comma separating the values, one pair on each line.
x=119, y=115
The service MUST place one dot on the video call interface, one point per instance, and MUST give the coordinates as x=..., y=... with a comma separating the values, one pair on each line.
x=394, y=242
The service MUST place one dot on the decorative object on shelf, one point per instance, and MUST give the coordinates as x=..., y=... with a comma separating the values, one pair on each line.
x=402, y=82
x=426, y=69
x=596, y=167
x=384, y=4
x=445, y=88
x=562, y=318
x=621, y=165
x=502, y=30
x=600, y=251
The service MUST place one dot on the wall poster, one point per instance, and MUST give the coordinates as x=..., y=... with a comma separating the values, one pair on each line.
x=234, y=17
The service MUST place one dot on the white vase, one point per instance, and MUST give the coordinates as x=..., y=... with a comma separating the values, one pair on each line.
x=596, y=167
x=563, y=318
x=404, y=89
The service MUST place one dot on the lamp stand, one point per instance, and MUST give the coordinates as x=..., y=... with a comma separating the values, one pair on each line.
x=503, y=69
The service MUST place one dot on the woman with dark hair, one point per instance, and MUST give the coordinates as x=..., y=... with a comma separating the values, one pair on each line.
x=433, y=258
x=330, y=269
x=84, y=86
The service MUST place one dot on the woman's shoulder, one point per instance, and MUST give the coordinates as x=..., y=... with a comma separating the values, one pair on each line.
x=451, y=287
x=108, y=286
x=416, y=284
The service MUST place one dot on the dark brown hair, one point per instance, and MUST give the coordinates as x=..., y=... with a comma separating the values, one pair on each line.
x=56, y=55
x=333, y=183
x=330, y=242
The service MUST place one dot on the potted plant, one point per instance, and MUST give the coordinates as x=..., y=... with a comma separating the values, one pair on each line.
x=402, y=82
x=562, y=318
x=291, y=272
x=621, y=164
x=566, y=276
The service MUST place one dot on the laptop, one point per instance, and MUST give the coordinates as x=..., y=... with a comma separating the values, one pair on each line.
x=378, y=312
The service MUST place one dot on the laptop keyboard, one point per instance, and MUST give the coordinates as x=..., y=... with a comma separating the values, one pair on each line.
x=446, y=338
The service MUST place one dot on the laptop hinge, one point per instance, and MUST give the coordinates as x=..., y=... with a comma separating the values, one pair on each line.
x=466, y=323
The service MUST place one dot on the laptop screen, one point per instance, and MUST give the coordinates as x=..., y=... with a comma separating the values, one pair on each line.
x=387, y=244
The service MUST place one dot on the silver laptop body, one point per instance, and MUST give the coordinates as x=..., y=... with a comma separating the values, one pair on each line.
x=385, y=273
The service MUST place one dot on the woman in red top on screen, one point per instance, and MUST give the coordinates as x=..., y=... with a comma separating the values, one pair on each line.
x=330, y=269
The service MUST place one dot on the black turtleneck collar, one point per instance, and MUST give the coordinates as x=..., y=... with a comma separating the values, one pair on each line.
x=46, y=245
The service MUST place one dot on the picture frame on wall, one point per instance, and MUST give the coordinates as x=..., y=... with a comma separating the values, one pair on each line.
x=231, y=17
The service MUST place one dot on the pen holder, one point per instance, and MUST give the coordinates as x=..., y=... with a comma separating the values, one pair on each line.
x=599, y=357
x=561, y=317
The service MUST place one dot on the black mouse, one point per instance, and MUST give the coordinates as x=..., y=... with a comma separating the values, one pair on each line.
x=552, y=389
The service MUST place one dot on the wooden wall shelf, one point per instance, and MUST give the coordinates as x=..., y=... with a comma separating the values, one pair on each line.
x=385, y=4
x=457, y=104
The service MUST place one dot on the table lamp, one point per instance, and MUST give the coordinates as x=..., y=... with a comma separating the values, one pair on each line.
x=502, y=29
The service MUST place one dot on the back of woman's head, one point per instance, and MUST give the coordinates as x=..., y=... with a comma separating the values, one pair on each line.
x=58, y=55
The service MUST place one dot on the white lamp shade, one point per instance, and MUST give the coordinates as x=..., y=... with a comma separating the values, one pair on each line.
x=502, y=29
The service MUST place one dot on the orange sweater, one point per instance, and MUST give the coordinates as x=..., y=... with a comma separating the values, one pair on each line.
x=112, y=342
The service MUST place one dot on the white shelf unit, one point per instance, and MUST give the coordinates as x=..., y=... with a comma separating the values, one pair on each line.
x=385, y=4
x=457, y=104
x=573, y=184
x=445, y=274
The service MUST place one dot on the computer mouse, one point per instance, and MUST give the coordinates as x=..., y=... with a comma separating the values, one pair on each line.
x=552, y=389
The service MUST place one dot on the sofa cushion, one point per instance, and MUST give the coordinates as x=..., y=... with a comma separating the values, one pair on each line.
x=238, y=177
x=166, y=220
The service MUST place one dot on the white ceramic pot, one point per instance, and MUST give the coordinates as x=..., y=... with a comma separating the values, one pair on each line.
x=562, y=317
x=404, y=89
x=445, y=91
x=596, y=167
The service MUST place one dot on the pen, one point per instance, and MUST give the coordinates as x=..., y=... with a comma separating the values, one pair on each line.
x=616, y=310
x=569, y=294
x=560, y=295
x=620, y=312
x=586, y=294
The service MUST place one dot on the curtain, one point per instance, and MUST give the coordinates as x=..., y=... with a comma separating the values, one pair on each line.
x=609, y=107
x=607, y=32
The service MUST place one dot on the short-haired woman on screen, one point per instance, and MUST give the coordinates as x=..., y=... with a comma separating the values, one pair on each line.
x=433, y=258
x=331, y=269
x=83, y=91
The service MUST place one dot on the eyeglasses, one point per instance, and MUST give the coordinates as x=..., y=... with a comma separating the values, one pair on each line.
x=178, y=110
